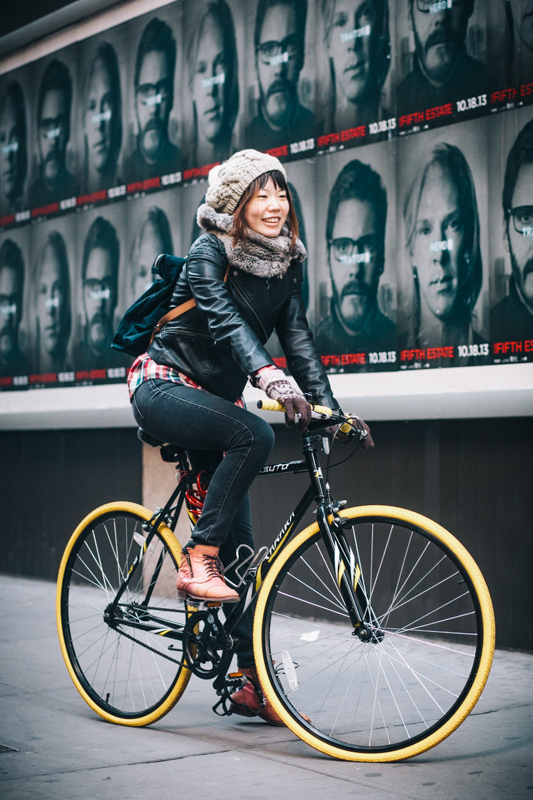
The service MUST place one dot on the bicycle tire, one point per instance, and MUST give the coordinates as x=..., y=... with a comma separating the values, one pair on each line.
x=134, y=683
x=389, y=699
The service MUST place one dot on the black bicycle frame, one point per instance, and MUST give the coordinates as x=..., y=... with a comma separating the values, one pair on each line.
x=329, y=523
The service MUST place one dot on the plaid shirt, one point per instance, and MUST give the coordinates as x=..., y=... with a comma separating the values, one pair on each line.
x=144, y=369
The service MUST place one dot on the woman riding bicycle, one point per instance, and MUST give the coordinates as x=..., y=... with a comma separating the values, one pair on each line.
x=245, y=277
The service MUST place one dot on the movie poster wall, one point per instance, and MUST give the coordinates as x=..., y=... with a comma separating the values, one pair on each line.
x=405, y=128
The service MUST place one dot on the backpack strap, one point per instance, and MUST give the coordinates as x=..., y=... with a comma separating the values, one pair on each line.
x=174, y=313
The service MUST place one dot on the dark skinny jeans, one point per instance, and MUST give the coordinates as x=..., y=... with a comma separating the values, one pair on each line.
x=207, y=426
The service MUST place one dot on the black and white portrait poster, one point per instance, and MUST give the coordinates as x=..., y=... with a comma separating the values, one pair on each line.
x=355, y=295
x=443, y=247
x=54, y=168
x=153, y=226
x=281, y=79
x=101, y=296
x=213, y=81
x=16, y=118
x=511, y=236
x=53, y=280
x=442, y=62
x=355, y=49
x=510, y=45
x=102, y=122
x=16, y=303
x=153, y=95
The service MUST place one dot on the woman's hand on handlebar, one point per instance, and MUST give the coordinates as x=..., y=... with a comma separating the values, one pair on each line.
x=276, y=386
x=346, y=437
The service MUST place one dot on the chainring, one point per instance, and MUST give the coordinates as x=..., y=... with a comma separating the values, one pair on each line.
x=205, y=643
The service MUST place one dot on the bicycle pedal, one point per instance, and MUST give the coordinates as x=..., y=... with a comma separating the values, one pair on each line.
x=200, y=605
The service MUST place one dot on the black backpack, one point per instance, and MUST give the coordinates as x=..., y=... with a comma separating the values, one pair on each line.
x=147, y=315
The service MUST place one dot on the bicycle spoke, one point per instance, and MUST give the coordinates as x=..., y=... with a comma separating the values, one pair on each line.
x=315, y=591
x=316, y=605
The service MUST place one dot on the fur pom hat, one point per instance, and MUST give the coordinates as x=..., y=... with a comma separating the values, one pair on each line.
x=228, y=181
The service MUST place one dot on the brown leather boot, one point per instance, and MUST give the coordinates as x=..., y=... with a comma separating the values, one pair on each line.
x=200, y=576
x=247, y=700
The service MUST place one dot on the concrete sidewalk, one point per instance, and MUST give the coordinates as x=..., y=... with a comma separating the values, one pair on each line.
x=60, y=749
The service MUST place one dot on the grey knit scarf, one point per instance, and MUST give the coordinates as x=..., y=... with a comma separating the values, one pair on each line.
x=261, y=255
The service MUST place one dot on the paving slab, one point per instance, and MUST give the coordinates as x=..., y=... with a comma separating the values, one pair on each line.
x=63, y=750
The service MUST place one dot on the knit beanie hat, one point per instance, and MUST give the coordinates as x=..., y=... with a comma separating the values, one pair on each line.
x=228, y=181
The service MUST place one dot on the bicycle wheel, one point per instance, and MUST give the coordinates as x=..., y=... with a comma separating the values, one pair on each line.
x=127, y=675
x=429, y=618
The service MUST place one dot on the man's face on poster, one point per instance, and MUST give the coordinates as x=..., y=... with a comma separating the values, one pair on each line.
x=355, y=261
x=100, y=109
x=11, y=144
x=522, y=13
x=10, y=309
x=437, y=248
x=153, y=103
x=439, y=35
x=521, y=240
x=53, y=135
x=99, y=298
x=150, y=245
x=209, y=77
x=351, y=44
x=279, y=60
x=52, y=298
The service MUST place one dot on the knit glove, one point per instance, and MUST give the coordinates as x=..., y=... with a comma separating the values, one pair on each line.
x=346, y=438
x=274, y=384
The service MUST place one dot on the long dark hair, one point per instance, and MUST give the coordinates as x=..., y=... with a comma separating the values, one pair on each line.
x=239, y=224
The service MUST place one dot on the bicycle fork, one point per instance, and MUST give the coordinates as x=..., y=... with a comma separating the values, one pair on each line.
x=346, y=569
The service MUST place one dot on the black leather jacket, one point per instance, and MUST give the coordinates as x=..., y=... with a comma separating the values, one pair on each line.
x=220, y=342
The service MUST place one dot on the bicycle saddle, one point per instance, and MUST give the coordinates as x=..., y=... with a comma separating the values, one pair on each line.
x=170, y=453
x=147, y=439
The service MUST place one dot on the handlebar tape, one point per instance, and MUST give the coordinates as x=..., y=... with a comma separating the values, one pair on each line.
x=320, y=411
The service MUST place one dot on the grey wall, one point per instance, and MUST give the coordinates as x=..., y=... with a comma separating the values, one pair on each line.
x=49, y=480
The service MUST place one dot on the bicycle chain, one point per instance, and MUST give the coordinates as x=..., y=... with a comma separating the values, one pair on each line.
x=148, y=647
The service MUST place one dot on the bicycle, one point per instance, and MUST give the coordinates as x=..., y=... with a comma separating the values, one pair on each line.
x=373, y=628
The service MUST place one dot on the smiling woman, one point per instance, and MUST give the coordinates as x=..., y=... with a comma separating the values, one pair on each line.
x=244, y=278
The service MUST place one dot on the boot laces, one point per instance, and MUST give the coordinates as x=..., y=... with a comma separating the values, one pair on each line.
x=213, y=566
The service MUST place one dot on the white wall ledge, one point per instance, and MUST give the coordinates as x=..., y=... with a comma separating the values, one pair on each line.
x=467, y=392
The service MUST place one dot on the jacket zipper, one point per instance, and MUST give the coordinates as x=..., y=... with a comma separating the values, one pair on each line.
x=188, y=332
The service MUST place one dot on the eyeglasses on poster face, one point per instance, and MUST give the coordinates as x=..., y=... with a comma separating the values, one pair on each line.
x=350, y=251
x=523, y=220
x=53, y=128
x=151, y=94
x=273, y=52
x=435, y=6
